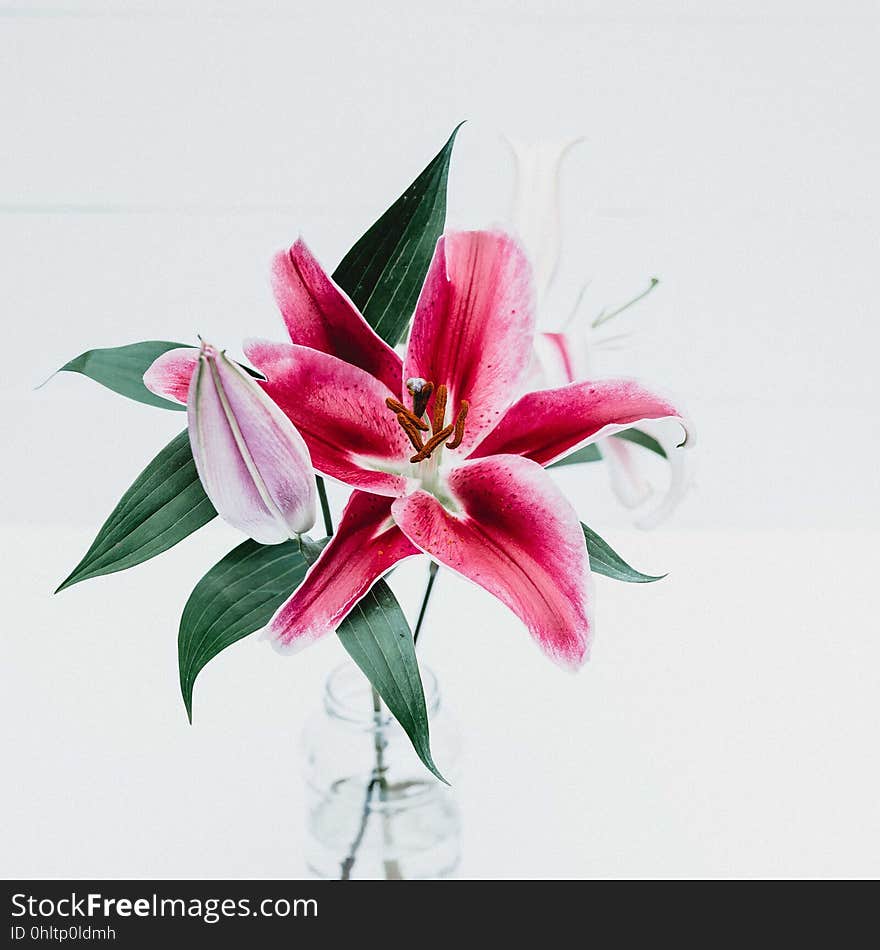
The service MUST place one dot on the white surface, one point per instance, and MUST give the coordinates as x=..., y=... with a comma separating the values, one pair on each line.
x=158, y=153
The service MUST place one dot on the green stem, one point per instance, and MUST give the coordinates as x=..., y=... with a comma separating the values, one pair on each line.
x=325, y=506
x=432, y=576
x=605, y=317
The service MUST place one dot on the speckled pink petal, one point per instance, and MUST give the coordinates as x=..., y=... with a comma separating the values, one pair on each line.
x=318, y=314
x=473, y=326
x=550, y=423
x=340, y=411
x=367, y=544
x=170, y=374
x=515, y=535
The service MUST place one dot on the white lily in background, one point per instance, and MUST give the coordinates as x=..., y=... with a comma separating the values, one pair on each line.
x=569, y=348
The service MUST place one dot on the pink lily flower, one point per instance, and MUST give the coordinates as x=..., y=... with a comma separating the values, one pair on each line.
x=562, y=358
x=443, y=457
x=253, y=464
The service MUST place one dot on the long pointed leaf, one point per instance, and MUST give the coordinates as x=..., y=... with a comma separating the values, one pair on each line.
x=235, y=598
x=241, y=593
x=384, y=271
x=379, y=640
x=605, y=560
x=643, y=439
x=165, y=504
x=589, y=453
x=122, y=368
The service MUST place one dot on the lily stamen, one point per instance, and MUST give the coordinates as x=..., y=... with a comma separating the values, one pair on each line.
x=409, y=428
x=400, y=409
x=412, y=424
x=455, y=442
x=437, y=439
x=439, y=409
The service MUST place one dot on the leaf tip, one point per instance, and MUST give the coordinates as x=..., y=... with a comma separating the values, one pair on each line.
x=68, y=581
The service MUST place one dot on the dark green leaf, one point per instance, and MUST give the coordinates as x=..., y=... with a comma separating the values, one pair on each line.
x=589, y=453
x=235, y=598
x=605, y=560
x=642, y=439
x=384, y=271
x=378, y=639
x=164, y=505
x=122, y=368
x=241, y=593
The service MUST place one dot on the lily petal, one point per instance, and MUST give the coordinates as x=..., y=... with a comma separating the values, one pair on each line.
x=170, y=374
x=340, y=411
x=550, y=423
x=367, y=544
x=535, y=211
x=253, y=464
x=632, y=487
x=627, y=481
x=517, y=536
x=473, y=326
x=557, y=361
x=320, y=315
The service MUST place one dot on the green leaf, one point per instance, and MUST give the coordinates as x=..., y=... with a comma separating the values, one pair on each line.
x=241, y=593
x=164, y=505
x=235, y=598
x=379, y=640
x=589, y=453
x=384, y=271
x=642, y=439
x=605, y=560
x=122, y=368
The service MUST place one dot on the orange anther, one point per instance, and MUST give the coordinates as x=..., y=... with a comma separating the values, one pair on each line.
x=439, y=408
x=455, y=442
x=437, y=439
x=398, y=407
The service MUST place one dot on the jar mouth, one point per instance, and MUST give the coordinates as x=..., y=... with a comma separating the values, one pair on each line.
x=348, y=695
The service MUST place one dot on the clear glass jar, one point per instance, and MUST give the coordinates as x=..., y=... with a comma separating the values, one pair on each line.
x=373, y=810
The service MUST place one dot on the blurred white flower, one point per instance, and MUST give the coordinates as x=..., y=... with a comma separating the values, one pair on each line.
x=573, y=345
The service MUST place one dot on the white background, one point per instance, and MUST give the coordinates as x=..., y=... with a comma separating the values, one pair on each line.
x=155, y=155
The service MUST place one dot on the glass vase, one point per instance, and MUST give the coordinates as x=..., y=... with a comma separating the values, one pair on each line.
x=373, y=810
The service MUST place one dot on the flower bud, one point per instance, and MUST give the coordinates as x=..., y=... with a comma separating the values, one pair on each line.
x=253, y=463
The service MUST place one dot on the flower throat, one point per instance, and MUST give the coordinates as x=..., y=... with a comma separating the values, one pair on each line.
x=413, y=424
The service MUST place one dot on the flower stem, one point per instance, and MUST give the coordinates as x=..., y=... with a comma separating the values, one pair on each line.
x=432, y=576
x=605, y=316
x=325, y=506
x=392, y=866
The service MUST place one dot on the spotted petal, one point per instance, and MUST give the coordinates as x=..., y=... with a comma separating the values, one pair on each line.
x=550, y=423
x=340, y=411
x=367, y=544
x=515, y=535
x=473, y=326
x=318, y=314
